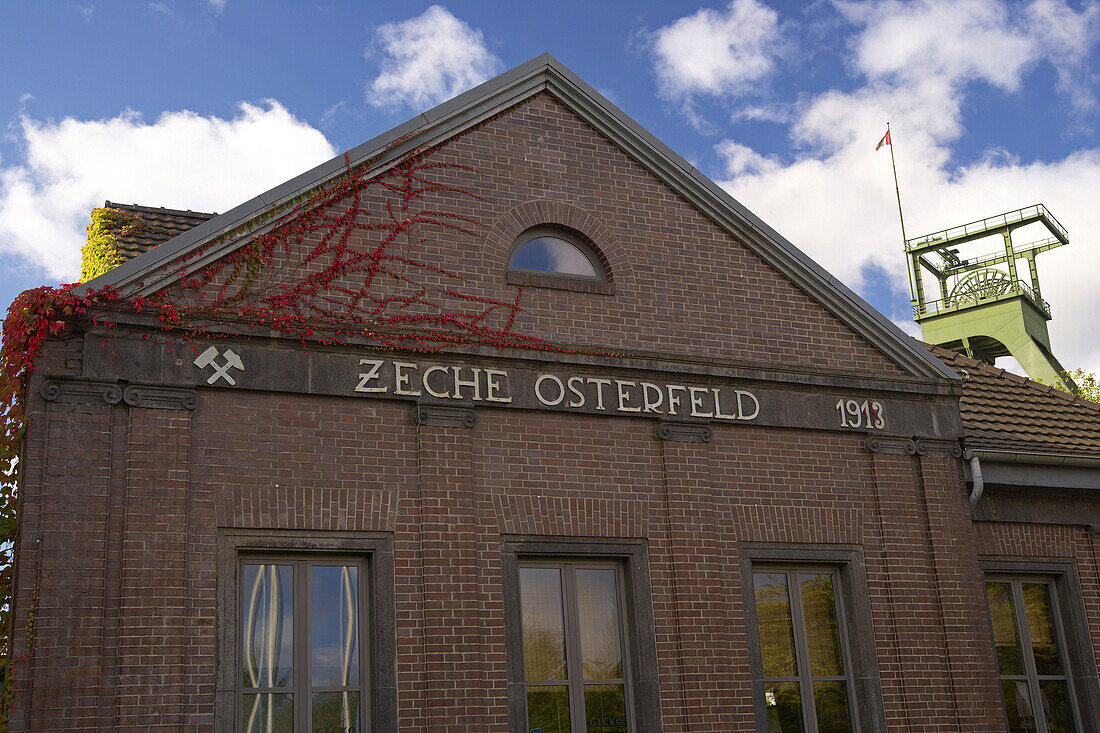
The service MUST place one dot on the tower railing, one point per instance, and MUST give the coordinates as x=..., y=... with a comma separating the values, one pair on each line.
x=1016, y=288
x=946, y=236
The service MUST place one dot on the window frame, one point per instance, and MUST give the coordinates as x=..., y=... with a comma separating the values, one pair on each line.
x=568, y=236
x=855, y=627
x=1067, y=602
x=302, y=688
x=638, y=636
x=374, y=553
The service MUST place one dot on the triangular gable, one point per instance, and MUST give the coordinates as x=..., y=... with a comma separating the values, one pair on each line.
x=217, y=237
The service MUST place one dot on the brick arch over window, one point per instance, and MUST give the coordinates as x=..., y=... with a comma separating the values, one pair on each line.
x=598, y=237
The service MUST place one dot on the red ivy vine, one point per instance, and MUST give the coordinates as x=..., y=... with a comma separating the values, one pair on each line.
x=344, y=264
x=33, y=316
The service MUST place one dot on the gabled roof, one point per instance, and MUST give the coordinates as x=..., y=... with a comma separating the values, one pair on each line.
x=1004, y=412
x=164, y=225
x=146, y=274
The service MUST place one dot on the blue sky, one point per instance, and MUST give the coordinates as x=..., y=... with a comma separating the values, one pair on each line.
x=204, y=104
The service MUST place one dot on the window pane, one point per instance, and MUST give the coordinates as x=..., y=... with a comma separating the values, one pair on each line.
x=784, y=707
x=268, y=713
x=831, y=704
x=548, y=709
x=822, y=635
x=1018, y=706
x=604, y=709
x=1040, y=622
x=543, y=628
x=552, y=254
x=773, y=619
x=334, y=625
x=335, y=712
x=598, y=611
x=1056, y=706
x=1005, y=638
x=267, y=624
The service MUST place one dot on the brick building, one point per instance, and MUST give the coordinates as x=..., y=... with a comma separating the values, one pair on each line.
x=510, y=420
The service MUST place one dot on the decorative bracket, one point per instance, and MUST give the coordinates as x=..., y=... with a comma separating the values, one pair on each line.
x=81, y=391
x=162, y=398
x=913, y=445
x=152, y=396
x=442, y=416
x=684, y=432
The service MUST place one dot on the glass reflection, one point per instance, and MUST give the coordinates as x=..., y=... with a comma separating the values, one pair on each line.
x=1056, y=706
x=1002, y=613
x=553, y=254
x=822, y=632
x=335, y=712
x=548, y=709
x=598, y=611
x=267, y=713
x=1040, y=626
x=783, y=704
x=1021, y=719
x=831, y=704
x=773, y=620
x=543, y=626
x=334, y=625
x=604, y=709
x=267, y=621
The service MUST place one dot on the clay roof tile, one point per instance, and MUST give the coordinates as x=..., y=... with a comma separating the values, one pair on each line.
x=1004, y=411
x=164, y=224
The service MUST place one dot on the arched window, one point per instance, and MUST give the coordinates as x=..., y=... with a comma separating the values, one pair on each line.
x=555, y=251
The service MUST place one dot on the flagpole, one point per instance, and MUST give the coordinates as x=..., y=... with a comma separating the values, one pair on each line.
x=901, y=217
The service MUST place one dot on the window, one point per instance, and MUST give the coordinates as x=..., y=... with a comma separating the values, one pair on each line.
x=807, y=684
x=1042, y=644
x=573, y=661
x=581, y=652
x=814, y=663
x=302, y=664
x=1031, y=659
x=555, y=251
x=302, y=619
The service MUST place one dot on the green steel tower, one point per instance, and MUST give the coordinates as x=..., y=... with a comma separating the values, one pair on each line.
x=985, y=309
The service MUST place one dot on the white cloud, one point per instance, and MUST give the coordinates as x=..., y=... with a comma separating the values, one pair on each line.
x=182, y=160
x=909, y=327
x=332, y=112
x=428, y=59
x=1066, y=37
x=914, y=63
x=778, y=113
x=742, y=160
x=963, y=41
x=949, y=39
x=216, y=5
x=717, y=52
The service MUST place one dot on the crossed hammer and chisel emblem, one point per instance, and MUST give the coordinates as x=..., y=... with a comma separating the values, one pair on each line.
x=232, y=361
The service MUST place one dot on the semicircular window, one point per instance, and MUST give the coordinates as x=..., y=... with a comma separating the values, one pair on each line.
x=552, y=251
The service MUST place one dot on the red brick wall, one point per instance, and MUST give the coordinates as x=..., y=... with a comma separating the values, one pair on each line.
x=127, y=604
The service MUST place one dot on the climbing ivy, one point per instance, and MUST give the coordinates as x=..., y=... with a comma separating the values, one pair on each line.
x=33, y=316
x=101, y=254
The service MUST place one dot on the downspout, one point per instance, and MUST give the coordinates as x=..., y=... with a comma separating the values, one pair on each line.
x=976, y=474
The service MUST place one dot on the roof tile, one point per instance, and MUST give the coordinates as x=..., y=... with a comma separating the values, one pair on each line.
x=164, y=224
x=1004, y=411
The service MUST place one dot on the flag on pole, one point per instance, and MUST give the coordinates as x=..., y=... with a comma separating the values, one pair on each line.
x=885, y=140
